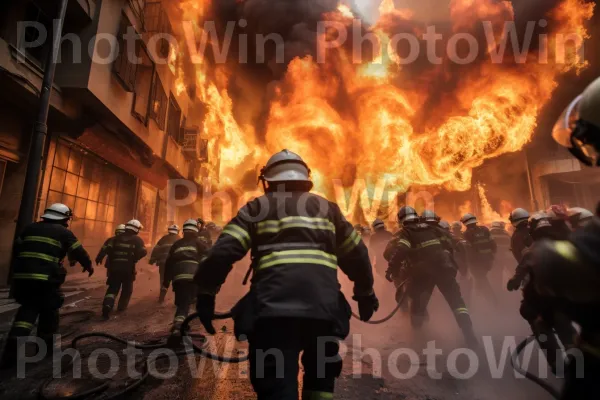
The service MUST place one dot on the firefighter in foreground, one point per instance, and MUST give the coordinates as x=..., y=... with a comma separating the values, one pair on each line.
x=482, y=250
x=540, y=311
x=159, y=257
x=180, y=267
x=425, y=251
x=119, y=230
x=567, y=271
x=38, y=255
x=379, y=240
x=297, y=241
x=125, y=253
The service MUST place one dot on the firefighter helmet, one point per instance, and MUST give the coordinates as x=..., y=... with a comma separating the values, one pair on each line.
x=120, y=229
x=211, y=226
x=558, y=212
x=173, y=229
x=578, y=127
x=58, y=212
x=285, y=166
x=134, y=226
x=580, y=216
x=468, y=219
x=191, y=225
x=456, y=226
x=540, y=220
x=430, y=216
x=444, y=225
x=378, y=224
x=407, y=214
x=518, y=216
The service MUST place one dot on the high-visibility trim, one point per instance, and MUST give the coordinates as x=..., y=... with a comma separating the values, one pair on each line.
x=349, y=244
x=179, y=318
x=187, y=262
x=275, y=226
x=298, y=257
x=405, y=242
x=23, y=325
x=121, y=259
x=42, y=239
x=36, y=277
x=125, y=245
x=462, y=310
x=429, y=243
x=186, y=248
x=109, y=296
x=121, y=253
x=240, y=234
x=482, y=241
x=183, y=276
x=314, y=395
x=104, y=247
x=40, y=256
x=75, y=246
x=485, y=251
x=566, y=250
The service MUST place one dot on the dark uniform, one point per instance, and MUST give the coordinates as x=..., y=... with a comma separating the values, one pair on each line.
x=379, y=240
x=426, y=250
x=297, y=243
x=503, y=259
x=38, y=274
x=482, y=249
x=520, y=240
x=159, y=257
x=180, y=267
x=126, y=250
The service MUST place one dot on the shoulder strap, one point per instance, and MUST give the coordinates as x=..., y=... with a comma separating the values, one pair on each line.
x=253, y=242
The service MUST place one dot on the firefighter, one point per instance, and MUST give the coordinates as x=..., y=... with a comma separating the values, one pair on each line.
x=297, y=241
x=456, y=229
x=204, y=232
x=127, y=250
x=540, y=311
x=521, y=238
x=445, y=225
x=559, y=218
x=579, y=217
x=180, y=267
x=430, y=265
x=482, y=250
x=503, y=260
x=159, y=257
x=379, y=240
x=38, y=256
x=213, y=231
x=119, y=230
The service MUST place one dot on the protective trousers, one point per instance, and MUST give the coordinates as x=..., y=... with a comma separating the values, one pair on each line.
x=482, y=284
x=424, y=281
x=40, y=302
x=116, y=282
x=185, y=296
x=164, y=287
x=581, y=381
x=275, y=347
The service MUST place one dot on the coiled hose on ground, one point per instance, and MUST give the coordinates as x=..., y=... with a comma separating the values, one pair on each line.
x=383, y=320
x=514, y=361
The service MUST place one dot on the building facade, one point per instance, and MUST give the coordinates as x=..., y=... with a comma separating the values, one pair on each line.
x=117, y=124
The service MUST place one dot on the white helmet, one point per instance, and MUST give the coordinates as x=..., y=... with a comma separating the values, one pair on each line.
x=580, y=216
x=173, y=229
x=191, y=225
x=578, y=127
x=120, y=229
x=517, y=216
x=468, y=219
x=285, y=166
x=378, y=224
x=58, y=212
x=134, y=226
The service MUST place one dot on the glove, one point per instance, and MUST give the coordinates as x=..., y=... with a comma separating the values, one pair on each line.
x=367, y=306
x=98, y=261
x=89, y=270
x=513, y=284
x=205, y=307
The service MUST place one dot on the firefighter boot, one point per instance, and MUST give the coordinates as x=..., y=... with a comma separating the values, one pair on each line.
x=163, y=294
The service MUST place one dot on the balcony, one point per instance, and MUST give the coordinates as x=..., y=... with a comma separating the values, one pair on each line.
x=176, y=159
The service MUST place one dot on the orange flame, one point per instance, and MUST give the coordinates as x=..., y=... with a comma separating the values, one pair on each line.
x=360, y=122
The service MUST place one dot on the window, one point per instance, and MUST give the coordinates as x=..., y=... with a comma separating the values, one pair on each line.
x=84, y=183
x=173, y=120
x=158, y=111
x=30, y=34
x=157, y=21
x=124, y=67
x=143, y=85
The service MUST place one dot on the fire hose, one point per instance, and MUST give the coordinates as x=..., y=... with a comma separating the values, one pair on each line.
x=514, y=361
x=104, y=386
x=398, y=305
